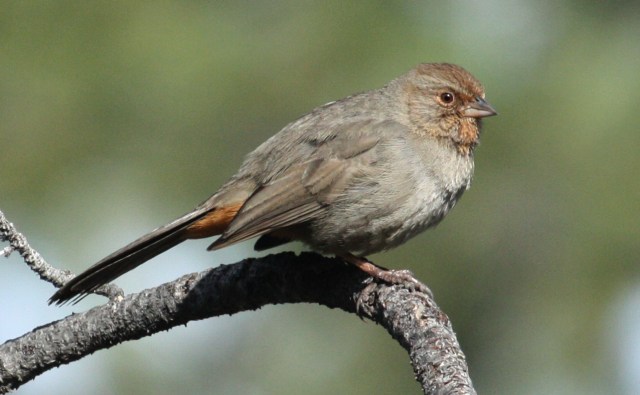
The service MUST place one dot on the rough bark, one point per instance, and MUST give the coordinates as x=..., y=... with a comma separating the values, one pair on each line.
x=411, y=317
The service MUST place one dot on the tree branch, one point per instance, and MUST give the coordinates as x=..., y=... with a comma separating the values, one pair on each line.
x=46, y=272
x=412, y=318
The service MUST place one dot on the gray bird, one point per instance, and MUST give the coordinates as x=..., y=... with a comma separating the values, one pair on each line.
x=351, y=178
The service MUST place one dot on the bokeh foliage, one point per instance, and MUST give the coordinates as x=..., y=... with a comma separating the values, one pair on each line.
x=116, y=117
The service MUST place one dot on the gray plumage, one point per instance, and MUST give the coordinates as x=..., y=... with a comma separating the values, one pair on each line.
x=352, y=177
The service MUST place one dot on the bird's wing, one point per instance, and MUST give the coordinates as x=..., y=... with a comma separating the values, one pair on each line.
x=304, y=190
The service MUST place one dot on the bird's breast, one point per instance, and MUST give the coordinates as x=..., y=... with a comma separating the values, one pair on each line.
x=406, y=200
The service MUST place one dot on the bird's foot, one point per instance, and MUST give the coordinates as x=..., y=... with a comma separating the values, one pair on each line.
x=404, y=278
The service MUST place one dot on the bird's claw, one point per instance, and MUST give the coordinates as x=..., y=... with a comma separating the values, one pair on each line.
x=406, y=279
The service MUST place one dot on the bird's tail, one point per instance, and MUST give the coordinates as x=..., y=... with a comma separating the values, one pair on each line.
x=128, y=258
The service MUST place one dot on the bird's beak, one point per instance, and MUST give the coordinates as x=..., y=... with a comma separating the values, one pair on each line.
x=479, y=109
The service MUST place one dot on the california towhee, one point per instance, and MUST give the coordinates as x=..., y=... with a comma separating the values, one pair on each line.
x=350, y=178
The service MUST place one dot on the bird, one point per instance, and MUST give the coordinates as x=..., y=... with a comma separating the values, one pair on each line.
x=351, y=178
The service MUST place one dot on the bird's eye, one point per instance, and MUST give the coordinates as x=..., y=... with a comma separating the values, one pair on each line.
x=446, y=97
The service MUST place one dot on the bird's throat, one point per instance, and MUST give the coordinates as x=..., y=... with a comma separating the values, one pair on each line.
x=467, y=136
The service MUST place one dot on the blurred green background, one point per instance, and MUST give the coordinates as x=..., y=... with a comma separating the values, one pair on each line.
x=116, y=117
